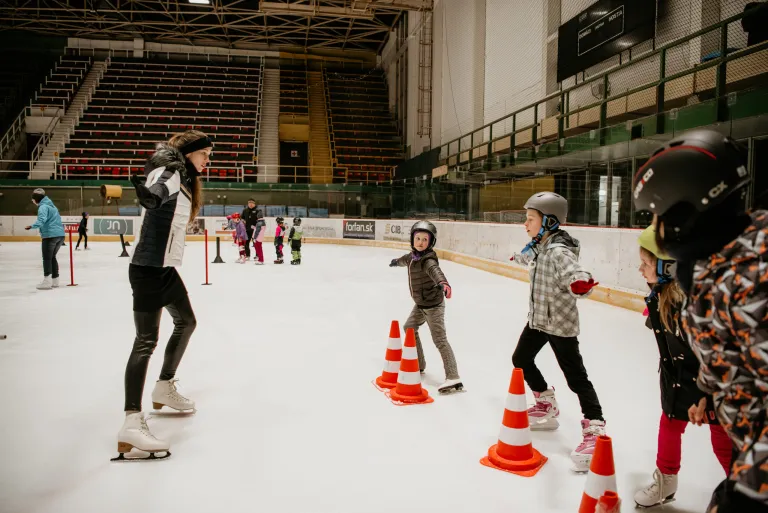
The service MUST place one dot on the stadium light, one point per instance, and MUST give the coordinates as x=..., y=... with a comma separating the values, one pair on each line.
x=200, y=2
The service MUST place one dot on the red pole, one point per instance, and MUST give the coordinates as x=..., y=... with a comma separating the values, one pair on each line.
x=71, y=263
x=206, y=258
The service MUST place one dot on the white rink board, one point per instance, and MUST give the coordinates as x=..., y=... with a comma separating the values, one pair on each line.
x=611, y=254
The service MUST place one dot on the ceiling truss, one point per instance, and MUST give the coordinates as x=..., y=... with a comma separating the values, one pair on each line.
x=361, y=25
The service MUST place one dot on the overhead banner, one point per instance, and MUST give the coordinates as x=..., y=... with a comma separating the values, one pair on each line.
x=359, y=229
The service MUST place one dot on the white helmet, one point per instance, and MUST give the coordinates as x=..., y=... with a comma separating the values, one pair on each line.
x=551, y=206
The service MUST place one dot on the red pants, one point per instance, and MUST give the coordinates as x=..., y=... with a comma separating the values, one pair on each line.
x=259, y=250
x=671, y=439
x=241, y=247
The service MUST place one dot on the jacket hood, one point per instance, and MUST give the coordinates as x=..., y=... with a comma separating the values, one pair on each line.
x=168, y=157
x=45, y=201
x=564, y=239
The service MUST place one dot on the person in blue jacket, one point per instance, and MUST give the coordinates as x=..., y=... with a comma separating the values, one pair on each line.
x=52, y=232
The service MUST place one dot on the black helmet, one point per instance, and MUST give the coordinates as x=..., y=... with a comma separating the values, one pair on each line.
x=297, y=221
x=425, y=226
x=279, y=219
x=691, y=174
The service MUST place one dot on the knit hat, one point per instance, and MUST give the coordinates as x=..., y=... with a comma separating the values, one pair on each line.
x=38, y=194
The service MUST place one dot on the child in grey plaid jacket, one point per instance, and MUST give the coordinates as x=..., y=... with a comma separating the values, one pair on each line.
x=557, y=281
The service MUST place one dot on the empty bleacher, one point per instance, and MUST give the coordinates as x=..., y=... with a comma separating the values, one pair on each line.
x=294, y=93
x=60, y=86
x=140, y=103
x=364, y=138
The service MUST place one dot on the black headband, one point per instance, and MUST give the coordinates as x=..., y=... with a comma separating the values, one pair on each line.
x=197, y=144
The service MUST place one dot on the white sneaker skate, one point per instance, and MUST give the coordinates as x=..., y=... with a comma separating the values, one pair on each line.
x=451, y=386
x=259, y=262
x=46, y=284
x=582, y=455
x=240, y=260
x=165, y=394
x=661, y=491
x=55, y=283
x=136, y=433
x=542, y=416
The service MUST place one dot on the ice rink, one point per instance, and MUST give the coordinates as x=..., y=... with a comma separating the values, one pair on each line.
x=288, y=421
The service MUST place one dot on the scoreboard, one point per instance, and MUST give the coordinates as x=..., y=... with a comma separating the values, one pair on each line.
x=601, y=31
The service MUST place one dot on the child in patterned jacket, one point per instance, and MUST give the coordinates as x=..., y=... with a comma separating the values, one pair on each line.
x=557, y=280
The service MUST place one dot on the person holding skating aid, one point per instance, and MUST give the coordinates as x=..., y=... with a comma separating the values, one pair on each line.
x=428, y=287
x=557, y=281
x=678, y=368
x=279, y=236
x=259, y=230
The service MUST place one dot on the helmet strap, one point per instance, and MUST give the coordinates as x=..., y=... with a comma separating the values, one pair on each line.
x=665, y=270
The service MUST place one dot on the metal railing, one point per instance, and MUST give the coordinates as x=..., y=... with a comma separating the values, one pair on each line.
x=13, y=132
x=29, y=164
x=480, y=142
x=45, y=138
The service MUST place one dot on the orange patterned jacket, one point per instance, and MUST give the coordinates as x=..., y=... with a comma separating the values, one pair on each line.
x=726, y=319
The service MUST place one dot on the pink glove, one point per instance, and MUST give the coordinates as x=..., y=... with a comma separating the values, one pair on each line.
x=581, y=287
x=446, y=290
x=646, y=313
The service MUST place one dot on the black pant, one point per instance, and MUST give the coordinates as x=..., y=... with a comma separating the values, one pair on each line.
x=147, y=329
x=249, y=233
x=566, y=351
x=51, y=246
x=82, y=236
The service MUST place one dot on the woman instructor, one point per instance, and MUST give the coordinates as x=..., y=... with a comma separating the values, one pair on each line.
x=171, y=197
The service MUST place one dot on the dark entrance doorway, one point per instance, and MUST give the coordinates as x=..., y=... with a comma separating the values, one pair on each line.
x=294, y=162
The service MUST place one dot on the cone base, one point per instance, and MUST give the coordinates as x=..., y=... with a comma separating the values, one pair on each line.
x=382, y=385
x=400, y=399
x=525, y=468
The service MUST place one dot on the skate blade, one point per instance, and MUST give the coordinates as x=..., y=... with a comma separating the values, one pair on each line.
x=452, y=390
x=171, y=413
x=121, y=456
x=550, y=425
x=581, y=465
x=669, y=499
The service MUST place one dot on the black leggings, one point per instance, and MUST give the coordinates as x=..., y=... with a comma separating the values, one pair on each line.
x=82, y=236
x=51, y=246
x=147, y=329
x=567, y=353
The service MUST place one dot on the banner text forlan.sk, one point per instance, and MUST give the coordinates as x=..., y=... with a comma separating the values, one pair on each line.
x=359, y=229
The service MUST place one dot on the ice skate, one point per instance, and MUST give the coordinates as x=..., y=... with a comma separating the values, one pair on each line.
x=46, y=284
x=451, y=386
x=55, y=283
x=582, y=455
x=136, y=434
x=543, y=415
x=660, y=492
x=278, y=261
x=294, y=262
x=165, y=394
x=240, y=260
x=259, y=262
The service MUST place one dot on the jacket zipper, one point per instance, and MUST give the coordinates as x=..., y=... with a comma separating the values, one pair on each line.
x=170, y=244
x=410, y=282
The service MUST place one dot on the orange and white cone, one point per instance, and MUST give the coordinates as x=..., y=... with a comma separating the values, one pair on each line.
x=515, y=453
x=609, y=503
x=601, y=478
x=408, y=389
x=388, y=378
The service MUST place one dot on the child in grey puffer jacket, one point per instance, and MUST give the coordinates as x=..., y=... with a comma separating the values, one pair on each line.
x=428, y=285
x=557, y=281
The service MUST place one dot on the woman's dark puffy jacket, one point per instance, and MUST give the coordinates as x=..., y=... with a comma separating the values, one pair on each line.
x=424, y=278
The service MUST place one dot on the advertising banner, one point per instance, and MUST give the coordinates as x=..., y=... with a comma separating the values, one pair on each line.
x=359, y=229
x=112, y=226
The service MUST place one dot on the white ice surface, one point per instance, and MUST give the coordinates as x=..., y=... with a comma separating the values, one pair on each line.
x=288, y=421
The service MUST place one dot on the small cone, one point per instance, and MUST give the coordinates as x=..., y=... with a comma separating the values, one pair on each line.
x=388, y=378
x=610, y=502
x=601, y=478
x=515, y=453
x=408, y=389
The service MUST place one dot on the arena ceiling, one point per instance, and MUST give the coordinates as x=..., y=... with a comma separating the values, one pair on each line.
x=275, y=24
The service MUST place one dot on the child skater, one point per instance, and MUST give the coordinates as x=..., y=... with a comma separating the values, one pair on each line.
x=678, y=369
x=241, y=236
x=279, y=235
x=557, y=280
x=82, y=231
x=258, y=237
x=428, y=285
x=295, y=237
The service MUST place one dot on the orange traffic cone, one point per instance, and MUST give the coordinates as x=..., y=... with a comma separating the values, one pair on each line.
x=601, y=478
x=408, y=389
x=609, y=502
x=515, y=453
x=388, y=378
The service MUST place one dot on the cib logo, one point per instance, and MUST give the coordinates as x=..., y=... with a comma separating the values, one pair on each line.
x=394, y=228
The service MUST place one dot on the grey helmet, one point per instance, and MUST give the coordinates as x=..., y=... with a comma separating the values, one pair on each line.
x=552, y=206
x=424, y=226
